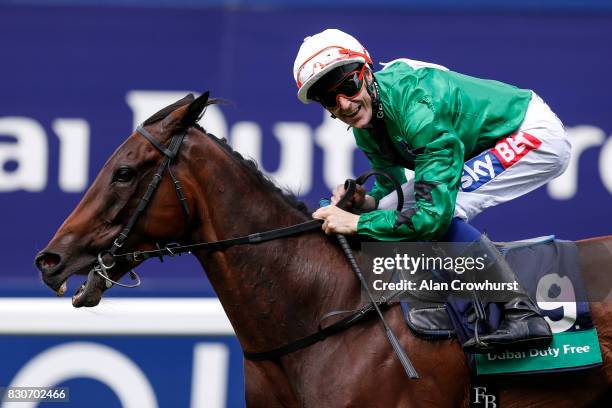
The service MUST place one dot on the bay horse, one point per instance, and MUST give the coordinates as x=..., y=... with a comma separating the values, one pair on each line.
x=276, y=292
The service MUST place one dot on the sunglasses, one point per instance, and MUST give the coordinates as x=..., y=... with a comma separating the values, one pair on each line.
x=348, y=87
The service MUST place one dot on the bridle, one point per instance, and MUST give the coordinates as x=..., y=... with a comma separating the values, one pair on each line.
x=170, y=154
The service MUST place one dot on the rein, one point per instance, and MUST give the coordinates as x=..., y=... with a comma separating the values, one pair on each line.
x=256, y=238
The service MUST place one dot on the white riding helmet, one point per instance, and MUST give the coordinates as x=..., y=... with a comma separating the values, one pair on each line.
x=323, y=52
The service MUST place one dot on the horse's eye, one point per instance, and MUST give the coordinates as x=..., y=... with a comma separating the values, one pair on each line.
x=123, y=175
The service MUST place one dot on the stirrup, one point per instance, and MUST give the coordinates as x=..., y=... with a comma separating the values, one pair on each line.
x=481, y=315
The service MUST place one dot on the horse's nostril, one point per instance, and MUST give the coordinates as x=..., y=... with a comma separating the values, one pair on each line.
x=46, y=261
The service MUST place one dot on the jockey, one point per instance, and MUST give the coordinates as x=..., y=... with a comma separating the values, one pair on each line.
x=472, y=144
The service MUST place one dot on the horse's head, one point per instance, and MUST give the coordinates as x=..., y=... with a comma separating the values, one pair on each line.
x=94, y=231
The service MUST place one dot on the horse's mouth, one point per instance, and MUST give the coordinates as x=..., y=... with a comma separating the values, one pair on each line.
x=90, y=292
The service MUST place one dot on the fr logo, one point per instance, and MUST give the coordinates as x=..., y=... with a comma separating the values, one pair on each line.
x=483, y=397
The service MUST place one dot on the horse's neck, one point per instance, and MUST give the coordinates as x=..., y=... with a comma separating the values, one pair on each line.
x=276, y=291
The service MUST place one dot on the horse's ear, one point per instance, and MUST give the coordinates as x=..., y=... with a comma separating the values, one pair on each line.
x=195, y=110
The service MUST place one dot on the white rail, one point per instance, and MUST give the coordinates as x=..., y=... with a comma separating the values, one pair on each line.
x=115, y=316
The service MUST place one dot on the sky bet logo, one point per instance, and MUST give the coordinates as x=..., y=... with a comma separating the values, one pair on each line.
x=490, y=163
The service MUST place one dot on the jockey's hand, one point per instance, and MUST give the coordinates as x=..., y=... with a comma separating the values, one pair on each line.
x=358, y=200
x=337, y=221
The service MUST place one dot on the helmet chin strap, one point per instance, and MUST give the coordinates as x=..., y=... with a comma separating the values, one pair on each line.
x=377, y=108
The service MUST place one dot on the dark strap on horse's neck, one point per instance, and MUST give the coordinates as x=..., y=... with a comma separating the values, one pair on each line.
x=178, y=188
x=322, y=334
x=256, y=238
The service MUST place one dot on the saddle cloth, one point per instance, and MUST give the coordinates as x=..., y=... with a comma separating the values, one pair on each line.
x=549, y=270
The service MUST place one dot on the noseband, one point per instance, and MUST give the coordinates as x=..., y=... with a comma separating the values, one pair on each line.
x=170, y=154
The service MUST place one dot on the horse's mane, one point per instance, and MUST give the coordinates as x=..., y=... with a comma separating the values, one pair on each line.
x=249, y=165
